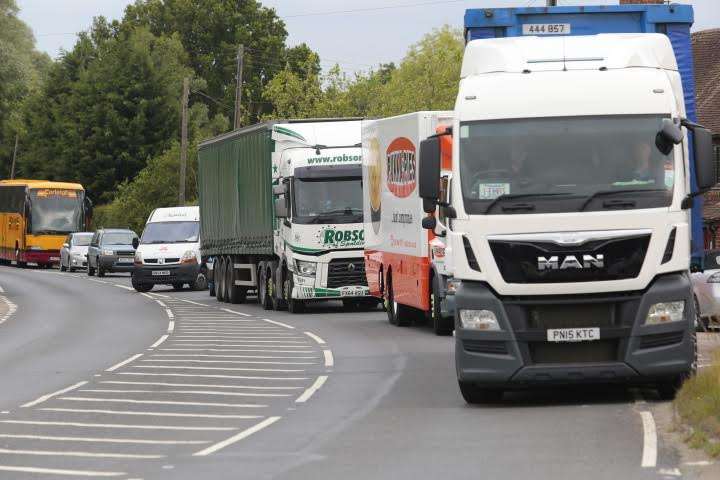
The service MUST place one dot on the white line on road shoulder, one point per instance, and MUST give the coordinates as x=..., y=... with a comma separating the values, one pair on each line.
x=280, y=324
x=124, y=362
x=151, y=414
x=236, y=313
x=161, y=303
x=171, y=325
x=58, y=471
x=649, y=455
x=236, y=438
x=116, y=425
x=169, y=313
x=329, y=360
x=312, y=389
x=124, y=287
x=159, y=341
x=104, y=440
x=78, y=454
x=54, y=394
x=316, y=338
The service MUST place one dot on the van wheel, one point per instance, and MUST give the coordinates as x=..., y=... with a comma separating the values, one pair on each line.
x=475, y=395
x=200, y=282
x=140, y=287
x=442, y=326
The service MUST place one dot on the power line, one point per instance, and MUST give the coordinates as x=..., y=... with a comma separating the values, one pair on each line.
x=214, y=100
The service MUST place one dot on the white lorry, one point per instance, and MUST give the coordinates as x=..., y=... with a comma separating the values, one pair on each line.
x=569, y=213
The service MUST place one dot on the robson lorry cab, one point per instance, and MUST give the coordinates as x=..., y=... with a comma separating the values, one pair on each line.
x=569, y=216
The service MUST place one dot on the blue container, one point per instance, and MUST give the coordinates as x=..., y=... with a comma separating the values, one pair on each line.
x=672, y=20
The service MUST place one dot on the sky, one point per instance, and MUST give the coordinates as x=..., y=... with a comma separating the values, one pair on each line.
x=356, y=41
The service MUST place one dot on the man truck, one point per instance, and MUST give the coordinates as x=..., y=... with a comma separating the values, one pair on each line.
x=281, y=213
x=569, y=221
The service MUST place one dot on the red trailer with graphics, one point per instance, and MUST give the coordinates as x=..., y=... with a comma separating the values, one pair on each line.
x=406, y=265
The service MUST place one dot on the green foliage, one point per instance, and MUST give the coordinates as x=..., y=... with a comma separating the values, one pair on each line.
x=698, y=404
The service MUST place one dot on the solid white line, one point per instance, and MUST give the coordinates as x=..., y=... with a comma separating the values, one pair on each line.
x=169, y=313
x=171, y=325
x=254, y=350
x=116, y=425
x=190, y=301
x=236, y=438
x=58, y=471
x=105, y=440
x=148, y=296
x=162, y=402
x=252, y=340
x=316, y=338
x=237, y=362
x=649, y=455
x=124, y=362
x=97, y=281
x=78, y=454
x=329, y=360
x=151, y=414
x=279, y=323
x=312, y=389
x=236, y=313
x=187, y=343
x=236, y=377
x=160, y=341
x=232, y=337
x=124, y=287
x=266, y=357
x=51, y=395
x=192, y=392
x=160, y=384
x=161, y=303
x=235, y=369
x=159, y=295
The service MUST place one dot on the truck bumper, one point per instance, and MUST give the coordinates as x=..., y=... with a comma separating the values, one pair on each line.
x=177, y=274
x=628, y=351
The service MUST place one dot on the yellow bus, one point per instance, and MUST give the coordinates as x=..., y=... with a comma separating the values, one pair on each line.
x=36, y=217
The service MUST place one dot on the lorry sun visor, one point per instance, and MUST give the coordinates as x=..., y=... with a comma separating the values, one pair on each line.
x=330, y=171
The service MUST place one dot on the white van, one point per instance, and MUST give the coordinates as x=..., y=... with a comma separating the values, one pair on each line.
x=168, y=252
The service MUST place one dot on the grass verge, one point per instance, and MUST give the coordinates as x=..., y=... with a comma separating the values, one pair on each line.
x=698, y=405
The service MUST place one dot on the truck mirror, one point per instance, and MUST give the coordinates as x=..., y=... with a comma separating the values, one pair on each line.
x=429, y=185
x=281, y=210
x=704, y=165
x=136, y=243
x=669, y=135
x=429, y=223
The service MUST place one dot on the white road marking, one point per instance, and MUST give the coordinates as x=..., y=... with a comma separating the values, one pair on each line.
x=124, y=362
x=207, y=337
x=649, y=455
x=2, y=290
x=161, y=303
x=190, y=301
x=701, y=463
x=249, y=340
x=670, y=472
x=116, y=425
x=255, y=350
x=241, y=362
x=159, y=341
x=233, y=356
x=12, y=308
x=59, y=471
x=97, y=281
x=312, y=389
x=236, y=438
x=148, y=296
x=279, y=323
x=195, y=385
x=104, y=440
x=51, y=395
x=150, y=414
x=159, y=295
x=171, y=325
x=161, y=402
x=235, y=369
x=193, y=392
x=235, y=312
x=125, y=287
x=169, y=313
x=329, y=360
x=316, y=338
x=53, y=453
x=206, y=375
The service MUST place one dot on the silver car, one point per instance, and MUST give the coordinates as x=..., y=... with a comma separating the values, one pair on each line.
x=73, y=254
x=706, y=285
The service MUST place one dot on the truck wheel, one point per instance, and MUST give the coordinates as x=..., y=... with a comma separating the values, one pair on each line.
x=398, y=314
x=476, y=395
x=220, y=279
x=293, y=304
x=235, y=293
x=442, y=326
x=264, y=287
x=278, y=303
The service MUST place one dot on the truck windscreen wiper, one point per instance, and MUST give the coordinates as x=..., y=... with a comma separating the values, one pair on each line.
x=604, y=193
x=512, y=196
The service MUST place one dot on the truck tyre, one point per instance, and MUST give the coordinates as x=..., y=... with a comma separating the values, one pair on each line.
x=293, y=304
x=278, y=302
x=140, y=287
x=264, y=286
x=442, y=326
x=235, y=293
x=398, y=314
x=475, y=395
x=219, y=275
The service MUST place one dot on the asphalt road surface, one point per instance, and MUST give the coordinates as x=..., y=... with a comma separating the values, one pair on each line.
x=98, y=381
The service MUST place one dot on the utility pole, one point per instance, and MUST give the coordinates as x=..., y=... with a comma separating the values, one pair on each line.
x=184, y=139
x=12, y=169
x=552, y=3
x=238, y=85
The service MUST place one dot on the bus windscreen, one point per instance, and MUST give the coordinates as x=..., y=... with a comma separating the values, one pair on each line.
x=55, y=211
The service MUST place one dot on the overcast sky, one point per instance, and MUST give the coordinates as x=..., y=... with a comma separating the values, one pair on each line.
x=356, y=40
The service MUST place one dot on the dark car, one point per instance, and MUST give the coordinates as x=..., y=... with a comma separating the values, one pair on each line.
x=111, y=250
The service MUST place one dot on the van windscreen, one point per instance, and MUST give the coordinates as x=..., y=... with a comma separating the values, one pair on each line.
x=171, y=232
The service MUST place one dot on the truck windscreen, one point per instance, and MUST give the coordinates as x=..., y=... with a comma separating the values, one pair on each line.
x=171, y=232
x=564, y=164
x=55, y=211
x=327, y=200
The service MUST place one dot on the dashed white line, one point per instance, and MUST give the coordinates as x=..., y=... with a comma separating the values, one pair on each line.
x=196, y=385
x=315, y=337
x=159, y=341
x=162, y=402
x=51, y=395
x=236, y=362
x=207, y=375
x=59, y=471
x=104, y=440
x=280, y=324
x=116, y=425
x=235, y=369
x=191, y=392
x=329, y=360
x=312, y=389
x=171, y=325
x=235, y=312
x=124, y=362
x=236, y=438
x=649, y=455
x=54, y=453
x=149, y=414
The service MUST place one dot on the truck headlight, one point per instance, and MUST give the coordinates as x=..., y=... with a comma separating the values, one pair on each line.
x=305, y=268
x=188, y=257
x=714, y=278
x=479, y=320
x=108, y=252
x=665, y=312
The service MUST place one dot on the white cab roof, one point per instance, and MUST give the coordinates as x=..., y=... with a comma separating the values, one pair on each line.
x=175, y=214
x=612, y=51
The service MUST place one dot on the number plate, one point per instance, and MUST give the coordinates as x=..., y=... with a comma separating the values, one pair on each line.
x=573, y=334
x=125, y=260
x=546, y=29
x=54, y=259
x=160, y=273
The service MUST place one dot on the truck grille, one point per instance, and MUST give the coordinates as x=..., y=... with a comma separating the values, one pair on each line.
x=581, y=352
x=343, y=272
x=571, y=316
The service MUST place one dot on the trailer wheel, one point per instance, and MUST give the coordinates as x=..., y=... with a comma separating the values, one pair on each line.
x=264, y=286
x=442, y=326
x=220, y=279
x=475, y=395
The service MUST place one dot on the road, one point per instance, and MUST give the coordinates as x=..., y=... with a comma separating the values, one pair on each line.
x=99, y=381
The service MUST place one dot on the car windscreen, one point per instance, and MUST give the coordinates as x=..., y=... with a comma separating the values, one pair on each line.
x=171, y=232
x=81, y=240
x=118, y=238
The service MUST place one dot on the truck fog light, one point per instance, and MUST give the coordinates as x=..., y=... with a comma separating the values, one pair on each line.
x=304, y=268
x=665, y=312
x=479, y=320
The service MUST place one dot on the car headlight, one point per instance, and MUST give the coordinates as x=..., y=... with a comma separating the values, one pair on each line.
x=188, y=257
x=714, y=278
x=108, y=252
x=452, y=286
x=665, y=312
x=138, y=258
x=479, y=320
x=305, y=268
